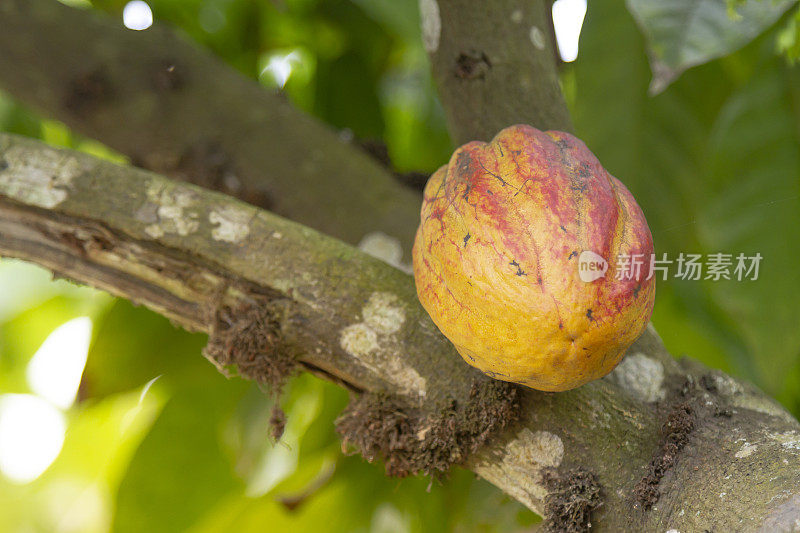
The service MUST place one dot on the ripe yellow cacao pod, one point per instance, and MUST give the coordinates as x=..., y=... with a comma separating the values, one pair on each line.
x=506, y=228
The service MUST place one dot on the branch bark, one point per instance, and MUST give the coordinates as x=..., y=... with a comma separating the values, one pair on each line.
x=179, y=111
x=186, y=252
x=493, y=67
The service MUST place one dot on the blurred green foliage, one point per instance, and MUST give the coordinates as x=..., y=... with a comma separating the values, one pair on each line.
x=685, y=33
x=788, y=39
x=160, y=441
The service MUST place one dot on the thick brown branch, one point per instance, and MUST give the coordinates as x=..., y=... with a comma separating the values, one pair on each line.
x=188, y=253
x=179, y=111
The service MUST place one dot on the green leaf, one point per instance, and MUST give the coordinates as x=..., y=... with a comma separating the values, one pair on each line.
x=754, y=207
x=685, y=33
x=399, y=16
x=788, y=39
x=416, y=132
x=346, y=96
x=15, y=119
x=133, y=345
x=477, y=505
x=180, y=470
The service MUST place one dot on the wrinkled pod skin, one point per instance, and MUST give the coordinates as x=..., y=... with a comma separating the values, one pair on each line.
x=498, y=252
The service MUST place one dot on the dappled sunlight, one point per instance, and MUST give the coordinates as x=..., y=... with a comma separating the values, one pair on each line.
x=280, y=67
x=567, y=20
x=73, y=506
x=54, y=372
x=137, y=15
x=31, y=436
x=32, y=426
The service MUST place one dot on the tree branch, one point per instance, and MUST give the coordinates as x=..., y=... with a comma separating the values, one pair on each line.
x=493, y=66
x=179, y=111
x=187, y=253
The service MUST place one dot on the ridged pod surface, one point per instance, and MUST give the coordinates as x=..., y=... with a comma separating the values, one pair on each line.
x=505, y=228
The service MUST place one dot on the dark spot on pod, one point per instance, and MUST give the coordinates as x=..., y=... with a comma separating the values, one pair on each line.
x=463, y=162
x=466, y=238
x=519, y=271
x=589, y=315
x=572, y=254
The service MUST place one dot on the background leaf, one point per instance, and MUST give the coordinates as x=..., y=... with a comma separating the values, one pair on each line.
x=179, y=471
x=684, y=33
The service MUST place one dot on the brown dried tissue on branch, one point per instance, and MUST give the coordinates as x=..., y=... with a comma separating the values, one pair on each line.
x=680, y=422
x=247, y=334
x=413, y=442
x=570, y=500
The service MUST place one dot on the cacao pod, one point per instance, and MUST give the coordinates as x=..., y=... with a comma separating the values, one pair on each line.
x=505, y=229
